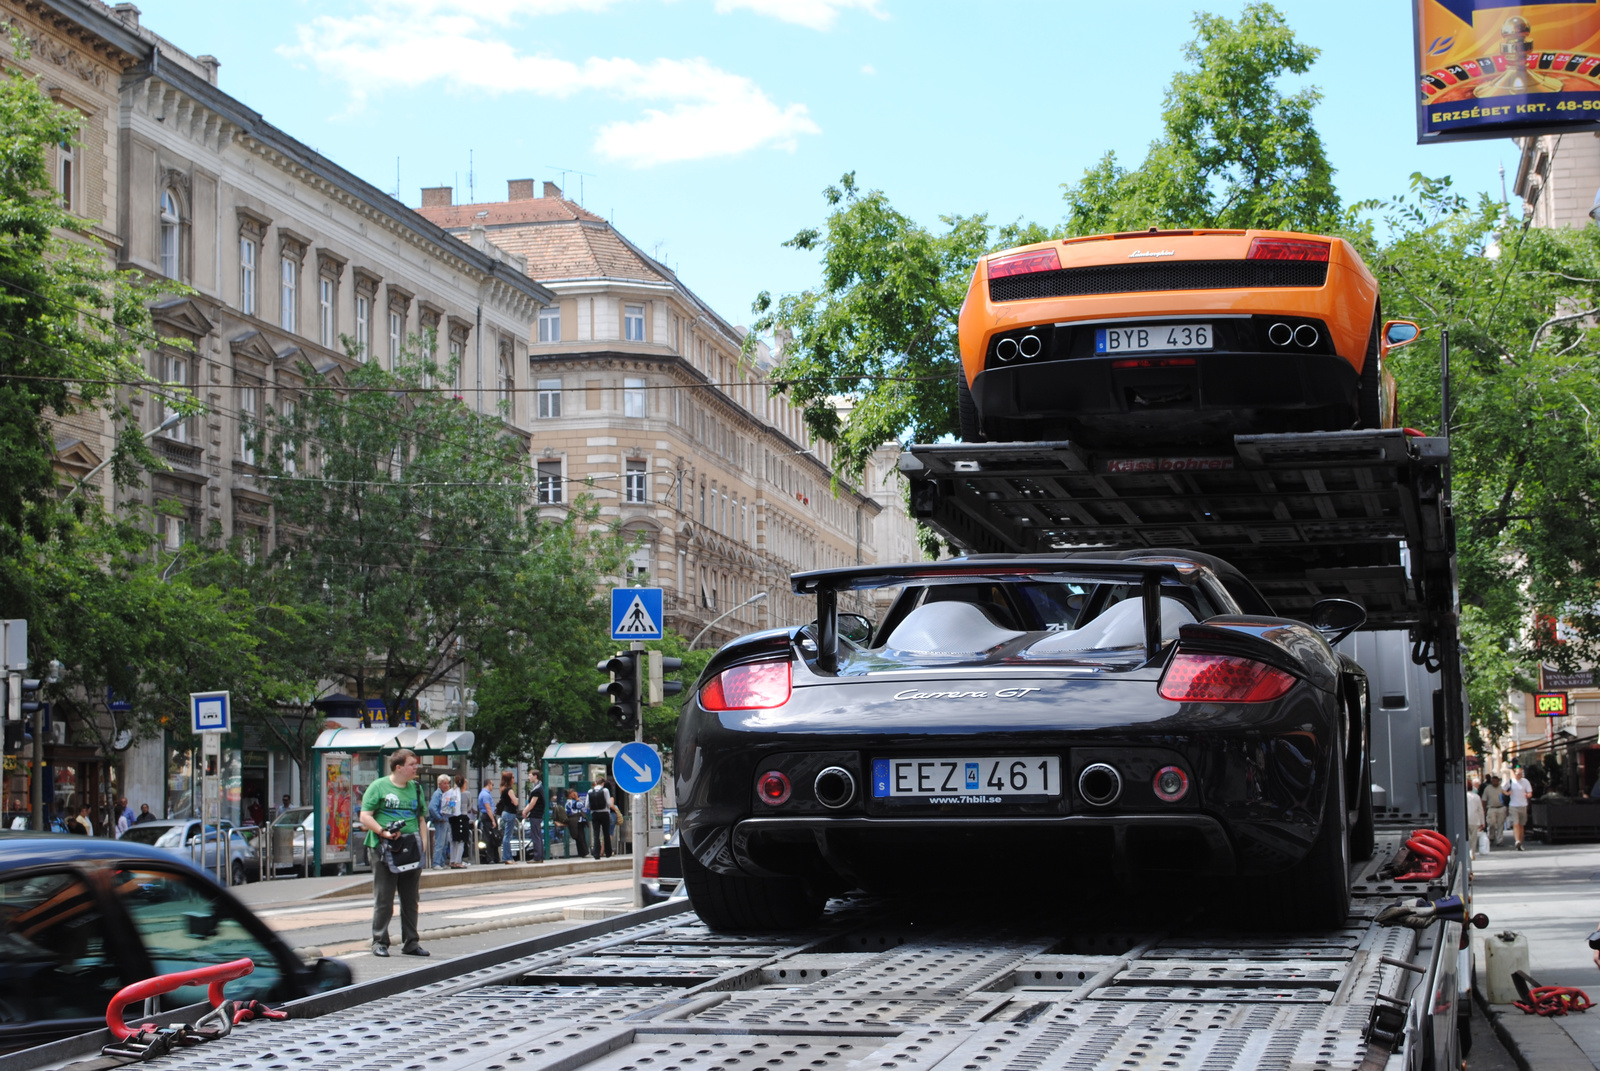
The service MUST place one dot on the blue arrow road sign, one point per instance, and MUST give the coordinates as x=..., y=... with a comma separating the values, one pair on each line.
x=636, y=613
x=637, y=768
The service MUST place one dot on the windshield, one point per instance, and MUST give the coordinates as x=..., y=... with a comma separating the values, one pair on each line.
x=145, y=834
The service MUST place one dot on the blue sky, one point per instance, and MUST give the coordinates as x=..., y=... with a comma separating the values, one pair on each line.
x=708, y=128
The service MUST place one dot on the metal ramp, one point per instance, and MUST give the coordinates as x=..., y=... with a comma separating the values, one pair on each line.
x=868, y=991
x=1354, y=514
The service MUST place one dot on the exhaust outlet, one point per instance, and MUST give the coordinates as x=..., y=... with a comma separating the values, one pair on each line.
x=1280, y=334
x=1006, y=349
x=834, y=787
x=1100, y=784
x=1305, y=336
x=1030, y=346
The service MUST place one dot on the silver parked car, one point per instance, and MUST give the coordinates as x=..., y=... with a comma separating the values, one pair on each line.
x=292, y=835
x=182, y=837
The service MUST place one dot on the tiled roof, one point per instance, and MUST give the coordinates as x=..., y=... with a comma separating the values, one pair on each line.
x=560, y=239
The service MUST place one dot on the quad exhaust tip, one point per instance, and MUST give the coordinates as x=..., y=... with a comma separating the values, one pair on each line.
x=834, y=787
x=1100, y=784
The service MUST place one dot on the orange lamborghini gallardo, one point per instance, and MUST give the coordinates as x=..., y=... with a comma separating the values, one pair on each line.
x=1174, y=336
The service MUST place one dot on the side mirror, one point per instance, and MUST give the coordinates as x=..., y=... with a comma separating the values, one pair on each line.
x=1400, y=333
x=1337, y=618
x=329, y=974
x=855, y=628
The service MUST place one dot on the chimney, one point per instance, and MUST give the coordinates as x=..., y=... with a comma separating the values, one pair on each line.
x=520, y=189
x=552, y=190
x=128, y=13
x=210, y=63
x=436, y=196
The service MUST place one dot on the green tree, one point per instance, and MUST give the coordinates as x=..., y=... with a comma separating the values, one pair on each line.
x=1235, y=152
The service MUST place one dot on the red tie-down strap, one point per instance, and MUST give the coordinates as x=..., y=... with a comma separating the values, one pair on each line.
x=214, y=977
x=1431, y=849
x=247, y=1010
x=1555, y=1000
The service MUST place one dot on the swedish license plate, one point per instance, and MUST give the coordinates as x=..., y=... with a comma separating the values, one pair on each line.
x=967, y=780
x=1154, y=337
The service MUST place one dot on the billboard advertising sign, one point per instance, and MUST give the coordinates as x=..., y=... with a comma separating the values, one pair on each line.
x=1491, y=70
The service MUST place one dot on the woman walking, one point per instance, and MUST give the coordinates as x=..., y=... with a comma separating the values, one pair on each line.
x=508, y=809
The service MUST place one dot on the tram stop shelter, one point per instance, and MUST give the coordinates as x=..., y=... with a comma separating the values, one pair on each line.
x=346, y=762
x=565, y=766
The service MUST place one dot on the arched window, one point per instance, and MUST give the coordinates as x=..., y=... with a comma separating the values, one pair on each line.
x=171, y=220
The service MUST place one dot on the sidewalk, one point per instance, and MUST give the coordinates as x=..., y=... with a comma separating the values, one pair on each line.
x=281, y=890
x=1549, y=894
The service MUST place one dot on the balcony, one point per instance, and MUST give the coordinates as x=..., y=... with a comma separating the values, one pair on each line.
x=173, y=452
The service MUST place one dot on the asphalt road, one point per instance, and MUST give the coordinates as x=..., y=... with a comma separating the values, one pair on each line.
x=500, y=912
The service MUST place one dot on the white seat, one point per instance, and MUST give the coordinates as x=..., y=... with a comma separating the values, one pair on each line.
x=1120, y=626
x=948, y=630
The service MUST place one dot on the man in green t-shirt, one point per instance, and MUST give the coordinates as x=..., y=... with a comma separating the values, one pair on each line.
x=397, y=797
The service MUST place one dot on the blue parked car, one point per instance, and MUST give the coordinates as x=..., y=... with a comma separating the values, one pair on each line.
x=82, y=917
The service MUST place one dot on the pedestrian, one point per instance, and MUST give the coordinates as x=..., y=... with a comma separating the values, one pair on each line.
x=1474, y=820
x=507, y=810
x=122, y=824
x=81, y=823
x=258, y=813
x=144, y=814
x=534, y=813
x=578, y=821
x=617, y=815
x=1494, y=810
x=458, y=823
x=438, y=823
x=20, y=822
x=285, y=806
x=1518, y=792
x=122, y=809
x=599, y=805
x=396, y=798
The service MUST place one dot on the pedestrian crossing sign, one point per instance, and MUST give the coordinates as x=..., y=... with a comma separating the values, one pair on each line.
x=636, y=613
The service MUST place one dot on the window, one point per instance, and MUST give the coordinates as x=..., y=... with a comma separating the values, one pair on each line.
x=633, y=397
x=325, y=297
x=289, y=291
x=247, y=276
x=174, y=369
x=508, y=386
x=456, y=352
x=185, y=925
x=633, y=323
x=66, y=167
x=634, y=482
x=60, y=963
x=363, y=325
x=170, y=221
x=291, y=458
x=550, y=325
x=249, y=412
x=550, y=482
x=637, y=566
x=549, y=398
x=397, y=329
x=171, y=532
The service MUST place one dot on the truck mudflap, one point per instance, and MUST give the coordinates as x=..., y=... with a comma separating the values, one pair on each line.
x=868, y=987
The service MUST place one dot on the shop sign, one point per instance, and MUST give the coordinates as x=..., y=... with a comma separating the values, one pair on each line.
x=1550, y=704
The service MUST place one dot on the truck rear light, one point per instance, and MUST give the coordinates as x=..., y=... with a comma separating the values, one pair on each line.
x=773, y=788
x=1216, y=678
x=652, y=864
x=757, y=686
x=1024, y=263
x=1286, y=249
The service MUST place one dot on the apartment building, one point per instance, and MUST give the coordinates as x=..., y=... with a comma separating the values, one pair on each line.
x=1558, y=178
x=646, y=400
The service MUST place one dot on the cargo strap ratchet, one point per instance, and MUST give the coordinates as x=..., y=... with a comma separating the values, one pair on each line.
x=150, y=1041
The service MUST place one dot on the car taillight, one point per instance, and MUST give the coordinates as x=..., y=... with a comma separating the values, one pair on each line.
x=1286, y=249
x=1171, y=783
x=773, y=787
x=757, y=686
x=1218, y=678
x=1024, y=263
x=652, y=864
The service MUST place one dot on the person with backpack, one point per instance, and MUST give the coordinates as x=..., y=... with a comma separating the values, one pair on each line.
x=600, y=816
x=577, y=821
x=396, y=798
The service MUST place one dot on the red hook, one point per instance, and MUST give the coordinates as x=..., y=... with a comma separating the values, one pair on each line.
x=215, y=977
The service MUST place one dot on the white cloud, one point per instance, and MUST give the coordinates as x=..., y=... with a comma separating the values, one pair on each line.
x=867, y=68
x=701, y=110
x=815, y=14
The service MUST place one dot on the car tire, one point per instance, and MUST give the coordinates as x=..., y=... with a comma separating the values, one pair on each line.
x=739, y=903
x=1369, y=404
x=967, y=410
x=1315, y=893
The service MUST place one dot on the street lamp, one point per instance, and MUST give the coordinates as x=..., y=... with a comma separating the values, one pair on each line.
x=757, y=597
x=172, y=420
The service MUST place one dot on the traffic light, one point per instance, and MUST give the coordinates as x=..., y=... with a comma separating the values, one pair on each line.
x=623, y=688
x=17, y=737
x=659, y=688
x=30, y=698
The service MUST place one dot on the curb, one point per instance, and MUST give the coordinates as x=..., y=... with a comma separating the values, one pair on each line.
x=566, y=914
x=491, y=872
x=1535, y=1042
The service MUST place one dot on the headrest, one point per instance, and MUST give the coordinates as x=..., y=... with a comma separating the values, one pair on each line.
x=1121, y=625
x=948, y=630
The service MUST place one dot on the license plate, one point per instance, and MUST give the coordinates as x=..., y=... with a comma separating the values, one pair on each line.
x=1155, y=337
x=967, y=780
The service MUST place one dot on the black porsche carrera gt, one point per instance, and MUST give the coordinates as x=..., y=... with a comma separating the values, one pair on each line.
x=1133, y=716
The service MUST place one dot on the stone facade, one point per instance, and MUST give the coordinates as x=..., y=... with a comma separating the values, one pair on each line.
x=645, y=401
x=1558, y=177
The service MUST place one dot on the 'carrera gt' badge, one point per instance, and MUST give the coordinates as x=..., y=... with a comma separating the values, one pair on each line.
x=998, y=693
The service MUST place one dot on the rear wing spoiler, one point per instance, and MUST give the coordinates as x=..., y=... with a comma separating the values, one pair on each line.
x=826, y=584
